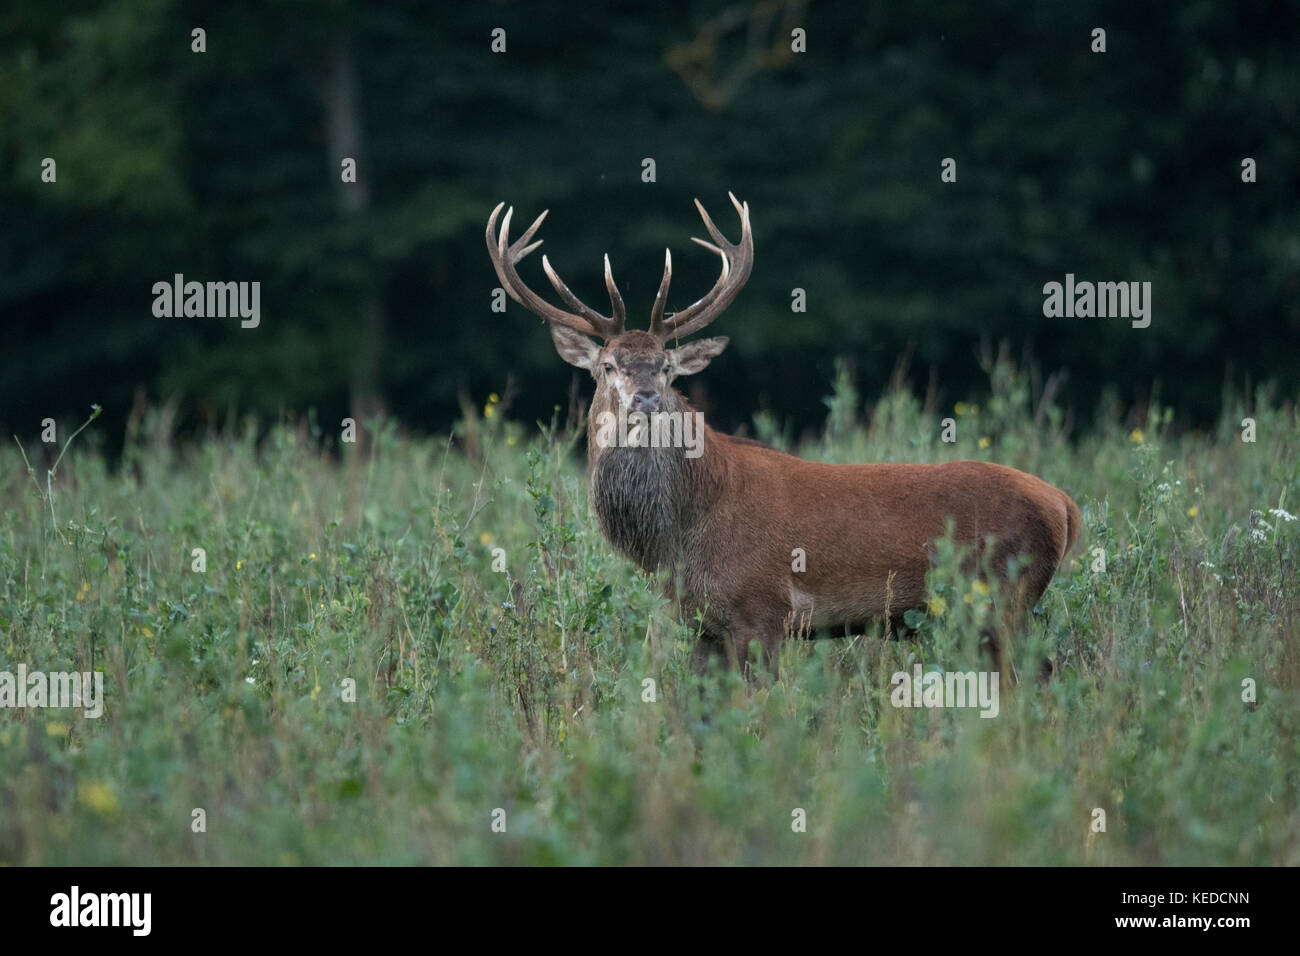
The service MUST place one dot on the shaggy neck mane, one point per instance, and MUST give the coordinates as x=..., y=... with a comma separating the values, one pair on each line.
x=645, y=498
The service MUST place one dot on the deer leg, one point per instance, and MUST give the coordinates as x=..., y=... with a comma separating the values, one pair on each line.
x=768, y=634
x=1019, y=601
x=710, y=651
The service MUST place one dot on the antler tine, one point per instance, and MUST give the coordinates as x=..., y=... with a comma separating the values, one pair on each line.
x=609, y=326
x=505, y=256
x=718, y=237
x=615, y=300
x=737, y=263
x=657, y=328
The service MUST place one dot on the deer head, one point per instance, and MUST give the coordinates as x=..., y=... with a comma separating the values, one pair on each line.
x=633, y=369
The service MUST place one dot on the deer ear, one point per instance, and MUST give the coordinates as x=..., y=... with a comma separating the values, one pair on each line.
x=693, y=356
x=574, y=347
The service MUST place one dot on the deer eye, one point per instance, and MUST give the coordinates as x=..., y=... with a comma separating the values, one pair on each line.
x=608, y=367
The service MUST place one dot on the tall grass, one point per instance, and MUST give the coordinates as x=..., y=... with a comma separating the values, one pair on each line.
x=526, y=689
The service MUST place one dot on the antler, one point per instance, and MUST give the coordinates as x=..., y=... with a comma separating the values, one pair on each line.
x=506, y=256
x=737, y=262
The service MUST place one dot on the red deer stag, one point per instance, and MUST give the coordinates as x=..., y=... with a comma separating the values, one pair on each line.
x=726, y=520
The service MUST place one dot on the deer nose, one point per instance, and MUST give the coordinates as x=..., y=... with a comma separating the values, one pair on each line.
x=645, y=401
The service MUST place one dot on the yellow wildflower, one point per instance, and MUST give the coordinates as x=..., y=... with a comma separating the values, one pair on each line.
x=98, y=796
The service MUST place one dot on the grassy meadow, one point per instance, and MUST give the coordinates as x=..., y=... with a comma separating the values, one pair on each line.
x=522, y=687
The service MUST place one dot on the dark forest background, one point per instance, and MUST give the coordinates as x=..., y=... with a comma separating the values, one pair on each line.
x=225, y=166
